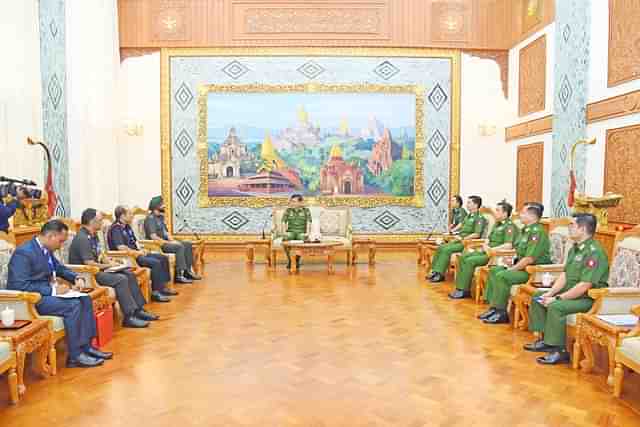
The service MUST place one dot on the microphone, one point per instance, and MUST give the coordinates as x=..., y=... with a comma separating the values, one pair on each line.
x=265, y=225
x=17, y=181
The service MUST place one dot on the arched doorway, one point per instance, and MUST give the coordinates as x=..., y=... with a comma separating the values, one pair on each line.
x=229, y=173
x=347, y=187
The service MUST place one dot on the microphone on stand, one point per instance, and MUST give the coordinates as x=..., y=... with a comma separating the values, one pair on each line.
x=265, y=226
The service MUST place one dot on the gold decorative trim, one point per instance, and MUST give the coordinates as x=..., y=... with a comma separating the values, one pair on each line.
x=165, y=106
x=417, y=200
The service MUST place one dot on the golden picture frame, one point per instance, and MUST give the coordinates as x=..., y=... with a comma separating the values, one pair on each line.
x=205, y=200
x=166, y=133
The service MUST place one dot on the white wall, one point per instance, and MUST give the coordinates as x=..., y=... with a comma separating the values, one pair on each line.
x=92, y=73
x=485, y=161
x=139, y=156
x=20, y=91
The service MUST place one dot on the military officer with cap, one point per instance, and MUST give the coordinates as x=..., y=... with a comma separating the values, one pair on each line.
x=532, y=248
x=472, y=228
x=296, y=222
x=587, y=267
x=155, y=228
x=502, y=236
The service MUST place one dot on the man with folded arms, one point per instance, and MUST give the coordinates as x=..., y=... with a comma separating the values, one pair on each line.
x=33, y=268
x=121, y=237
x=587, y=267
x=85, y=249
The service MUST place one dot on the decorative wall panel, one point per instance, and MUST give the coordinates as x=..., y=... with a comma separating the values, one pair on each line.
x=624, y=41
x=185, y=72
x=571, y=74
x=54, y=96
x=617, y=106
x=621, y=173
x=531, y=128
x=529, y=173
x=532, y=77
x=451, y=21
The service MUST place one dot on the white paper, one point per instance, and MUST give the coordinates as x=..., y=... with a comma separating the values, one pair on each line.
x=72, y=294
x=619, y=319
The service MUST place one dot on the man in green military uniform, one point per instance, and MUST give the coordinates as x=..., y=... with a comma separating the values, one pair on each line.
x=472, y=228
x=532, y=248
x=587, y=267
x=502, y=236
x=296, y=222
x=458, y=214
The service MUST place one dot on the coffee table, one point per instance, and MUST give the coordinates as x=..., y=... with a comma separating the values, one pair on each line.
x=33, y=338
x=370, y=244
x=323, y=249
x=251, y=250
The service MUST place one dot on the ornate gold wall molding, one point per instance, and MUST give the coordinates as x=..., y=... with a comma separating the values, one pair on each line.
x=530, y=162
x=624, y=41
x=621, y=173
x=531, y=128
x=451, y=21
x=617, y=106
x=532, y=77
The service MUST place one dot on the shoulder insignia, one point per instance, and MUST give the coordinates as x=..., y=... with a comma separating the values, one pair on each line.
x=593, y=248
x=591, y=263
x=509, y=230
x=534, y=238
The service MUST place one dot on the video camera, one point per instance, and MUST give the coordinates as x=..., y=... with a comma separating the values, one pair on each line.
x=11, y=187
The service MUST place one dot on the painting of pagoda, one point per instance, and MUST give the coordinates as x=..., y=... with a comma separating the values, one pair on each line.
x=346, y=145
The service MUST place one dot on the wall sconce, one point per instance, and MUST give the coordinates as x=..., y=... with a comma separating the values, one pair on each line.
x=170, y=23
x=486, y=129
x=451, y=24
x=133, y=128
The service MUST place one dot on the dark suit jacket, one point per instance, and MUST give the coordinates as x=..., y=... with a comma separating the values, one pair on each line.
x=29, y=270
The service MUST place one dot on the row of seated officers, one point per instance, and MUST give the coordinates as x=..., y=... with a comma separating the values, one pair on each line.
x=586, y=267
x=34, y=268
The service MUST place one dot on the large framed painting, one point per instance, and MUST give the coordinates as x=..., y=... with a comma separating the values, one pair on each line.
x=373, y=129
x=346, y=145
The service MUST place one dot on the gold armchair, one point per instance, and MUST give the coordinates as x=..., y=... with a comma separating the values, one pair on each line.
x=8, y=364
x=627, y=356
x=497, y=257
x=149, y=245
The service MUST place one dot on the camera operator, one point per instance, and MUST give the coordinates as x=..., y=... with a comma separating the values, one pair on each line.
x=7, y=210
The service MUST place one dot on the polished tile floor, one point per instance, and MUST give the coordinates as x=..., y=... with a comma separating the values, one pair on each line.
x=367, y=347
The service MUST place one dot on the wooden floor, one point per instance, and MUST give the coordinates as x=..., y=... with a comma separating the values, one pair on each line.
x=373, y=347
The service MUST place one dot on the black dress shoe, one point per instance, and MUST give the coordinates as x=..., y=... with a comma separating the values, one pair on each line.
x=430, y=275
x=487, y=314
x=437, y=278
x=134, y=322
x=158, y=297
x=190, y=274
x=289, y=265
x=554, y=358
x=181, y=279
x=459, y=294
x=169, y=292
x=94, y=352
x=539, y=347
x=145, y=315
x=500, y=316
x=298, y=262
x=84, y=361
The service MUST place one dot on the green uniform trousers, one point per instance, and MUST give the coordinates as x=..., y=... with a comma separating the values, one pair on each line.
x=552, y=320
x=292, y=235
x=499, y=285
x=442, y=257
x=467, y=264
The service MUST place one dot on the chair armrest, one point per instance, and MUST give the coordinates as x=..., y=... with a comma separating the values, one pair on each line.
x=17, y=298
x=128, y=255
x=636, y=310
x=501, y=252
x=615, y=292
x=474, y=243
x=154, y=245
x=545, y=268
x=78, y=268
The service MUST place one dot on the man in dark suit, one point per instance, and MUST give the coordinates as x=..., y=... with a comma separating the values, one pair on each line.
x=9, y=208
x=33, y=268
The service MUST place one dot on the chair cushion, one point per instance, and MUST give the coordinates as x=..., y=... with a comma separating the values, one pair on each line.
x=58, y=322
x=630, y=347
x=6, y=250
x=334, y=222
x=571, y=319
x=5, y=351
x=625, y=269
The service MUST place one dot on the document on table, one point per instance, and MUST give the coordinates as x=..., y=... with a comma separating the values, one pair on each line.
x=619, y=319
x=72, y=294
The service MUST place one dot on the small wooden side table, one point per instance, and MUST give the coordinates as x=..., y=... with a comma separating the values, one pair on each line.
x=33, y=338
x=370, y=244
x=426, y=249
x=324, y=249
x=593, y=330
x=251, y=250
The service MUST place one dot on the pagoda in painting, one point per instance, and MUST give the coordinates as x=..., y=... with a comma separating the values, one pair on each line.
x=340, y=177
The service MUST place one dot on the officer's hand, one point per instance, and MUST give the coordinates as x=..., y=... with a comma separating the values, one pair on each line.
x=21, y=194
x=547, y=300
x=80, y=283
x=62, y=289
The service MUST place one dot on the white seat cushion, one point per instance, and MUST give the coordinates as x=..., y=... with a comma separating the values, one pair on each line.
x=630, y=347
x=571, y=319
x=5, y=351
x=58, y=322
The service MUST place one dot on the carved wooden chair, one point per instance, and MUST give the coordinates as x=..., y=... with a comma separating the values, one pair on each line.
x=8, y=366
x=474, y=244
x=521, y=295
x=596, y=327
x=152, y=246
x=143, y=274
x=627, y=355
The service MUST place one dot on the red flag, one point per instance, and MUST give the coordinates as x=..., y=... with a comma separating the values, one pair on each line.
x=572, y=189
x=52, y=198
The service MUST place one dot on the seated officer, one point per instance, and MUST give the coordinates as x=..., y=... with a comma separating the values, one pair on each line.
x=502, y=236
x=122, y=238
x=296, y=222
x=85, y=250
x=587, y=267
x=457, y=214
x=156, y=229
x=33, y=268
x=532, y=248
x=472, y=227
